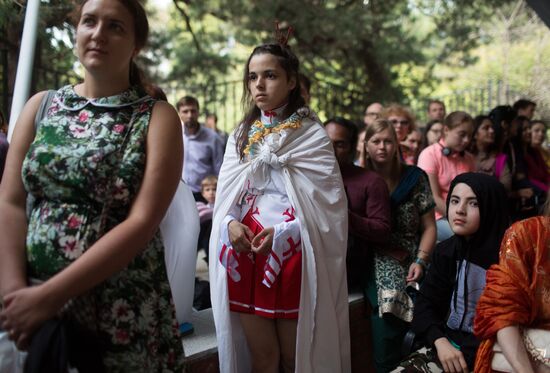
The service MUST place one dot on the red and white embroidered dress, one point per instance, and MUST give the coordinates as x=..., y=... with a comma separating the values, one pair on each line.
x=304, y=159
x=269, y=285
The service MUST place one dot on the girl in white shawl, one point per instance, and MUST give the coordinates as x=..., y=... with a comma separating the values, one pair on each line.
x=278, y=244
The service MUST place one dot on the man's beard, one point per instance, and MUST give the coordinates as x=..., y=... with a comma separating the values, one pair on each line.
x=191, y=124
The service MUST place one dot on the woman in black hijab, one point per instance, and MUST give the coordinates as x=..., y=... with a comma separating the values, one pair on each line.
x=445, y=307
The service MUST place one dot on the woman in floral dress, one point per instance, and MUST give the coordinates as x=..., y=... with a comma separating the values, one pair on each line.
x=102, y=168
x=411, y=243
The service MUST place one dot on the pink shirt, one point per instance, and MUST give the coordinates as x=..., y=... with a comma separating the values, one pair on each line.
x=446, y=168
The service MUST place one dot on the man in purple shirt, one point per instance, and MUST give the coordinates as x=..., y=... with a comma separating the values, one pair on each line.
x=202, y=148
x=368, y=200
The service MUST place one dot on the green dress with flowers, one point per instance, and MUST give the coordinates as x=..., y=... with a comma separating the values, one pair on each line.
x=88, y=154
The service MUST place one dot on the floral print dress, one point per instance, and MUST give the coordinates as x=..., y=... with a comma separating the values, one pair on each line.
x=88, y=154
x=389, y=274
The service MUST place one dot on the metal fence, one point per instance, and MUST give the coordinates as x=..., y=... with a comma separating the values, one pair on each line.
x=481, y=100
x=224, y=100
x=220, y=98
x=328, y=99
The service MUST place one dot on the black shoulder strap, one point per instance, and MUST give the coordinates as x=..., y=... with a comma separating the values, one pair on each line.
x=43, y=108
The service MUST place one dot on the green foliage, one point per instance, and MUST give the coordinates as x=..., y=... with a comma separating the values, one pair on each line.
x=513, y=49
x=355, y=52
x=386, y=50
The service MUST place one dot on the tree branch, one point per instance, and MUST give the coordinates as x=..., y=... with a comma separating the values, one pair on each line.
x=188, y=23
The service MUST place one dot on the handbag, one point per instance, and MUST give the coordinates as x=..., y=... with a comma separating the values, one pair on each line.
x=537, y=344
x=11, y=359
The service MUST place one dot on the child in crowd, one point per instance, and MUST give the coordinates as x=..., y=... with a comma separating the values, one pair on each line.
x=446, y=159
x=278, y=245
x=446, y=305
x=208, y=192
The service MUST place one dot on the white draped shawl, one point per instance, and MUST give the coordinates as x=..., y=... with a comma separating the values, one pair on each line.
x=314, y=186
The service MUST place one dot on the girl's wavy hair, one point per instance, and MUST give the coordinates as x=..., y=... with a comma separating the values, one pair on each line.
x=141, y=33
x=291, y=65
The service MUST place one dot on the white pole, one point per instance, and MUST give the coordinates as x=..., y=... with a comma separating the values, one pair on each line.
x=24, y=66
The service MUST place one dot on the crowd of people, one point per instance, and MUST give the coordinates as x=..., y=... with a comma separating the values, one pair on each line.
x=444, y=226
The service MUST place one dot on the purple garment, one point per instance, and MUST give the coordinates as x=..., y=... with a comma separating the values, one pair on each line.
x=4, y=145
x=368, y=204
x=369, y=219
x=203, y=156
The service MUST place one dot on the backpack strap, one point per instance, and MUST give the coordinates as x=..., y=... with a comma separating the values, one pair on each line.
x=43, y=108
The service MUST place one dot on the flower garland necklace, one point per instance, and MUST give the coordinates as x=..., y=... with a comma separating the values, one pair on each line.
x=260, y=130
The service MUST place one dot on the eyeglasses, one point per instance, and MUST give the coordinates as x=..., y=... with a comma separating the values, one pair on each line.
x=401, y=122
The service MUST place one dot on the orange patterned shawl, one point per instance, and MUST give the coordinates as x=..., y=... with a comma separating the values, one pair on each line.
x=518, y=288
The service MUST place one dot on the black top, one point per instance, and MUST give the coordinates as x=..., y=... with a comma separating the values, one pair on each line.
x=446, y=304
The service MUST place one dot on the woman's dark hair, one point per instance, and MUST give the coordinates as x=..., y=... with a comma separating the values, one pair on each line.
x=156, y=92
x=502, y=113
x=353, y=132
x=3, y=125
x=521, y=122
x=141, y=33
x=478, y=121
x=523, y=103
x=290, y=63
x=427, y=129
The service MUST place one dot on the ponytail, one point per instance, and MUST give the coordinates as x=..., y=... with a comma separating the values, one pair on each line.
x=137, y=77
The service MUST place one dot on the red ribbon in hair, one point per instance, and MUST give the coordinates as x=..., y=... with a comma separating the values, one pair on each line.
x=281, y=38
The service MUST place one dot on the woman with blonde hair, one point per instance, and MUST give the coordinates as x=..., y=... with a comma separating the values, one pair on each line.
x=412, y=240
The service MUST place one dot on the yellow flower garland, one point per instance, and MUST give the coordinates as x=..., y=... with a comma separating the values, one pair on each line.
x=262, y=131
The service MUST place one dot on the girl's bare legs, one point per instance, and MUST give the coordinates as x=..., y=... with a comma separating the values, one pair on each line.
x=286, y=331
x=261, y=335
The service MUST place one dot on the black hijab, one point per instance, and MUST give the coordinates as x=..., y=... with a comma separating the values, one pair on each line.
x=483, y=247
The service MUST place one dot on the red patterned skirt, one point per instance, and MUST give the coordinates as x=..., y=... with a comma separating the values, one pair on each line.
x=249, y=295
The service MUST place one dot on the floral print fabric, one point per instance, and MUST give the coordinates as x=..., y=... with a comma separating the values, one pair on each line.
x=73, y=169
x=390, y=274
